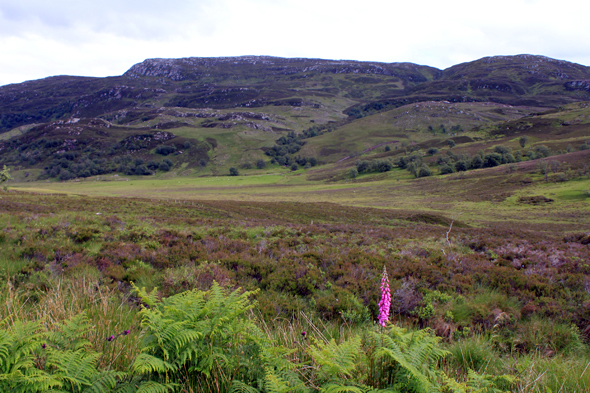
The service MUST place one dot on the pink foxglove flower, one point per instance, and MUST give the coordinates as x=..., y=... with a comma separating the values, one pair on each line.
x=385, y=302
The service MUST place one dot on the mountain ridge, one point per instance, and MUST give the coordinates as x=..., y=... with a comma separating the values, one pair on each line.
x=231, y=111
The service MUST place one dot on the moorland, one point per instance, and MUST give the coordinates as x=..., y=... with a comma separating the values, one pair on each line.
x=224, y=224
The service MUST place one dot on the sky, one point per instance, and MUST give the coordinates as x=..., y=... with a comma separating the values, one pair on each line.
x=41, y=38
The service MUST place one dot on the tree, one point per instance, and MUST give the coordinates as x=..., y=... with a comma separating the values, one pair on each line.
x=523, y=141
x=5, y=176
x=451, y=143
x=233, y=171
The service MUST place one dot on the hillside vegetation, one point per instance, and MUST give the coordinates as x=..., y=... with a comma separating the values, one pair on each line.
x=238, y=225
x=202, y=116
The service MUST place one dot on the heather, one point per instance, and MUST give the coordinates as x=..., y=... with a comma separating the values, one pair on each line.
x=270, y=296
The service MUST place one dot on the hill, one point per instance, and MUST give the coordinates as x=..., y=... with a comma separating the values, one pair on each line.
x=199, y=116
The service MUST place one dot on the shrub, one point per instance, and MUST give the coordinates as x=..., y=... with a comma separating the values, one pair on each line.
x=165, y=150
x=446, y=169
x=260, y=164
x=233, y=171
x=491, y=160
x=542, y=151
x=461, y=165
x=424, y=171
x=476, y=162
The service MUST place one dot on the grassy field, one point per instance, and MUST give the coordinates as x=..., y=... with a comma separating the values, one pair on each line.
x=479, y=197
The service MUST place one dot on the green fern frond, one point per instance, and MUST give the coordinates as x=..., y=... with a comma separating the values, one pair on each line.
x=69, y=334
x=149, y=298
x=154, y=387
x=337, y=360
x=104, y=382
x=482, y=383
x=145, y=363
x=241, y=387
x=415, y=354
x=334, y=388
x=275, y=384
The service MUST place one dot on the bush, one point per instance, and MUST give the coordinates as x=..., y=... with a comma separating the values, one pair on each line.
x=233, y=171
x=446, y=169
x=461, y=165
x=491, y=160
x=542, y=151
x=424, y=171
x=165, y=150
x=476, y=162
x=260, y=164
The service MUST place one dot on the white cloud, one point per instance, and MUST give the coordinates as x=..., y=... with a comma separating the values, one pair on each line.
x=40, y=38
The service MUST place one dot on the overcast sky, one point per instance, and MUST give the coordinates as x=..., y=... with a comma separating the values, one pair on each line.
x=40, y=38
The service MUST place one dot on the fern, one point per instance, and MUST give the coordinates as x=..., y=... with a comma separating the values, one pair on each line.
x=18, y=371
x=274, y=383
x=337, y=360
x=70, y=334
x=481, y=383
x=414, y=357
x=139, y=384
x=334, y=388
x=147, y=364
x=198, y=335
x=240, y=387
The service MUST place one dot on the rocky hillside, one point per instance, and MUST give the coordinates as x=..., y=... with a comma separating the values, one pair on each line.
x=252, y=81
x=230, y=111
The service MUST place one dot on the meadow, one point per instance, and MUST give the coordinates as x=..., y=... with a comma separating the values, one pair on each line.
x=270, y=282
